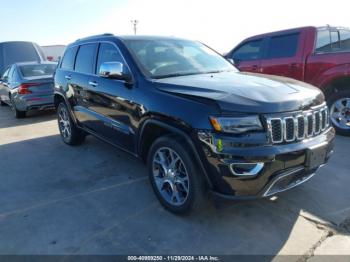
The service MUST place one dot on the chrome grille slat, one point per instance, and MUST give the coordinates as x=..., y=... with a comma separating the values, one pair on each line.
x=297, y=126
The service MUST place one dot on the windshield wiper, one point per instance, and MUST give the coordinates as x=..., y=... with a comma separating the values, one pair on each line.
x=190, y=73
x=175, y=75
x=215, y=72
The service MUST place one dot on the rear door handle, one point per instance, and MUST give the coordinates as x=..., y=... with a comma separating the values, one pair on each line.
x=68, y=77
x=93, y=83
x=293, y=65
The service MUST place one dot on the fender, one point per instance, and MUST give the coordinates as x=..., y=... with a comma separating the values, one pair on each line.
x=332, y=74
x=181, y=133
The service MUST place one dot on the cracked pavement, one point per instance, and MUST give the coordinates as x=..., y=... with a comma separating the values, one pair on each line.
x=95, y=199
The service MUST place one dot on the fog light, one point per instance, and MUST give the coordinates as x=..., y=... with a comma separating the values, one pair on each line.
x=246, y=169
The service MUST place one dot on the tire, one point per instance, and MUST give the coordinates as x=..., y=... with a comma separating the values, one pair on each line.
x=2, y=103
x=339, y=106
x=181, y=202
x=17, y=113
x=70, y=133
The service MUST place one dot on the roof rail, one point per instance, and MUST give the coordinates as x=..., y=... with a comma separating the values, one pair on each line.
x=94, y=36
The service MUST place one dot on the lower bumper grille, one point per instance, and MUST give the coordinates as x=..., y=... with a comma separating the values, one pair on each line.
x=287, y=181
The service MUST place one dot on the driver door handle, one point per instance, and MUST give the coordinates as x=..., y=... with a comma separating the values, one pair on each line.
x=68, y=77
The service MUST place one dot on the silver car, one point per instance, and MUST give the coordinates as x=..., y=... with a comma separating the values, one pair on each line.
x=28, y=86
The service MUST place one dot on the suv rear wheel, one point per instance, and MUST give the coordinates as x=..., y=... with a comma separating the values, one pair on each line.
x=339, y=109
x=70, y=133
x=174, y=176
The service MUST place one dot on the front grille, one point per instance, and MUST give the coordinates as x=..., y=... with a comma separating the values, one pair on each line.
x=298, y=125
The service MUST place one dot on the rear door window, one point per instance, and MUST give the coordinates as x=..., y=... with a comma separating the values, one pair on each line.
x=85, y=60
x=68, y=58
x=283, y=46
x=335, y=41
x=248, y=51
x=344, y=40
x=19, y=52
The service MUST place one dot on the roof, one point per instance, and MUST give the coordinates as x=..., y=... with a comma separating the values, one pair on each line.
x=9, y=42
x=53, y=46
x=295, y=29
x=128, y=37
x=35, y=63
x=281, y=31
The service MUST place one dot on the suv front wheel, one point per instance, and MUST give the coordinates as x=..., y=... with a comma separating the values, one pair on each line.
x=174, y=176
x=70, y=133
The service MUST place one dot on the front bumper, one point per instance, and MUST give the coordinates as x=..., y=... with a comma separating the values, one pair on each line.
x=285, y=166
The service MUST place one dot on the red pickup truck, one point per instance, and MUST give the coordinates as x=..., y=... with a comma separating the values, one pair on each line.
x=316, y=55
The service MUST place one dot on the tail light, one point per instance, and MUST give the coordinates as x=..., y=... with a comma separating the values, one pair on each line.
x=23, y=89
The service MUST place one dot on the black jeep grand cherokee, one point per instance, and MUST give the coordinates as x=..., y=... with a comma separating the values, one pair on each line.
x=200, y=124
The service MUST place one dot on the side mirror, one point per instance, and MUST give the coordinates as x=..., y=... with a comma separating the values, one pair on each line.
x=114, y=70
x=230, y=60
x=236, y=61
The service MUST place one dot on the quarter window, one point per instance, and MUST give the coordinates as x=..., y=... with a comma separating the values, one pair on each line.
x=85, y=59
x=283, y=46
x=248, y=51
x=108, y=53
x=10, y=75
x=68, y=58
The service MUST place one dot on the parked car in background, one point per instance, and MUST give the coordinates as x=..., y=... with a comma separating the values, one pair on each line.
x=28, y=86
x=320, y=56
x=19, y=51
x=53, y=52
x=198, y=123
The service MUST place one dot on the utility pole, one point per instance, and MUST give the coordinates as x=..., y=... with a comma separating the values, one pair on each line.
x=134, y=23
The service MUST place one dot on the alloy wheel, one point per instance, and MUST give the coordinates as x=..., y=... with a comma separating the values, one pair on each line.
x=340, y=113
x=170, y=176
x=64, y=123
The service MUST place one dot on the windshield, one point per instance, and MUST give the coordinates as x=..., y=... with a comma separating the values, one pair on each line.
x=169, y=58
x=37, y=70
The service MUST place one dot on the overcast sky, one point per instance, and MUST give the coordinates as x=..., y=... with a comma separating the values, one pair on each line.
x=219, y=23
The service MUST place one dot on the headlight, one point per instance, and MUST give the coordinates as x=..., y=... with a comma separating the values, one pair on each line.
x=236, y=125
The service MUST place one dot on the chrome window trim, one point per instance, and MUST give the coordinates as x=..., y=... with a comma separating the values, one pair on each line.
x=78, y=44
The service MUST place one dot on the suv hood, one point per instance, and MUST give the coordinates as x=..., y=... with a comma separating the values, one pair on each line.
x=245, y=92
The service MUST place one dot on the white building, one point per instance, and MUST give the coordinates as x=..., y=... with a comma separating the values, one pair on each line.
x=53, y=52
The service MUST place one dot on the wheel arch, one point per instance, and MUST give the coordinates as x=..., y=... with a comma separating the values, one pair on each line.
x=61, y=98
x=154, y=128
x=336, y=84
